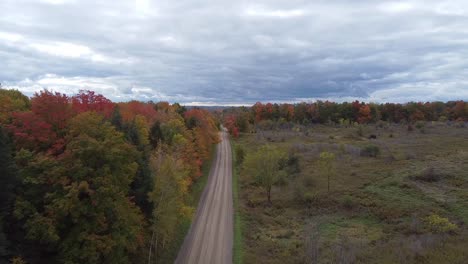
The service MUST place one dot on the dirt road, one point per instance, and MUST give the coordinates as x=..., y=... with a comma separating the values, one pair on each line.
x=210, y=237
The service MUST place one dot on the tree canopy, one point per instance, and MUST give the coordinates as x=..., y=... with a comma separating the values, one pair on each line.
x=88, y=180
x=264, y=166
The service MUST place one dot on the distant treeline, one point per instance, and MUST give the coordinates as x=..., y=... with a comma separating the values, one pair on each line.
x=237, y=119
x=87, y=180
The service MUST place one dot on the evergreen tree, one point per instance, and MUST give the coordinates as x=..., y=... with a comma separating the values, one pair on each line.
x=116, y=118
x=8, y=181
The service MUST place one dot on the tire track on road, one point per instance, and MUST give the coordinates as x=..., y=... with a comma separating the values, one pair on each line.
x=210, y=238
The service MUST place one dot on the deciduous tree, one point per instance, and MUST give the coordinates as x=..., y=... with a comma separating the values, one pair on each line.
x=264, y=166
x=327, y=166
x=53, y=108
x=12, y=101
x=90, y=101
x=364, y=115
x=84, y=210
x=170, y=187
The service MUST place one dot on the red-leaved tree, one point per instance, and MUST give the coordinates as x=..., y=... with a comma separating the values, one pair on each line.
x=86, y=101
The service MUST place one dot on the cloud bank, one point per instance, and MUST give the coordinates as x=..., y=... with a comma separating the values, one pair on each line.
x=236, y=52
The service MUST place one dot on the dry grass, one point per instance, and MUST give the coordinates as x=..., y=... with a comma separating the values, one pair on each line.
x=375, y=204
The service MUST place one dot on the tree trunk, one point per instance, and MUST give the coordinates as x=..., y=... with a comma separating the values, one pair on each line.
x=150, y=248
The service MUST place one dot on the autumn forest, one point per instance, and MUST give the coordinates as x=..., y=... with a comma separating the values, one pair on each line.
x=87, y=180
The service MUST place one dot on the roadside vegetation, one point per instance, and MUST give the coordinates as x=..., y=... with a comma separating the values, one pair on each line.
x=370, y=192
x=169, y=254
x=238, y=157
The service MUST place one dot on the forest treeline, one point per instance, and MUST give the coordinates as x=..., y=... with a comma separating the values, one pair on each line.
x=239, y=119
x=87, y=180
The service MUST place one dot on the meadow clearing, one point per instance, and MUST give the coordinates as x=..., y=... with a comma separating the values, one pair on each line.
x=398, y=194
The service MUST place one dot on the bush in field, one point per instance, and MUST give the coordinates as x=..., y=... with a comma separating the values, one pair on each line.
x=439, y=224
x=305, y=195
x=290, y=164
x=370, y=151
x=428, y=175
x=309, y=196
x=348, y=202
x=420, y=124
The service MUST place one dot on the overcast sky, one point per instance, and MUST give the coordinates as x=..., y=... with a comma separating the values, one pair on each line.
x=238, y=52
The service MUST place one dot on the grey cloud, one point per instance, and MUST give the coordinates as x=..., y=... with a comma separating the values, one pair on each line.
x=232, y=52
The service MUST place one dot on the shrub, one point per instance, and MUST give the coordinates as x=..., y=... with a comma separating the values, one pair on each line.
x=370, y=151
x=304, y=193
x=428, y=175
x=348, y=202
x=439, y=224
x=292, y=164
x=387, y=212
x=309, y=197
x=420, y=124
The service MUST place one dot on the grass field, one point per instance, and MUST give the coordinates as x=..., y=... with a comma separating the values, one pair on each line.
x=409, y=204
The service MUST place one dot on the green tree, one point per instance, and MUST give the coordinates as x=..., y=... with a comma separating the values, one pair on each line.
x=264, y=166
x=83, y=211
x=327, y=166
x=12, y=101
x=171, y=128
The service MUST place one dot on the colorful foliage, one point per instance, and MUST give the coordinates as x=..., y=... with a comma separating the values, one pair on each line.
x=131, y=109
x=87, y=173
x=86, y=101
x=52, y=108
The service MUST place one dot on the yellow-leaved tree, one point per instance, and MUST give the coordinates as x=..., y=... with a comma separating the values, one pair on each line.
x=171, y=183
